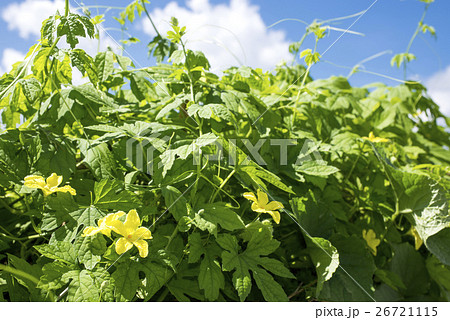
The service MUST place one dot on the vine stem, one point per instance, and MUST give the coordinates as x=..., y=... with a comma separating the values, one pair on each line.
x=34, y=236
x=414, y=36
x=6, y=206
x=66, y=13
x=149, y=18
x=354, y=163
x=305, y=75
x=19, y=273
x=24, y=275
x=224, y=182
x=172, y=236
x=300, y=289
x=188, y=67
x=300, y=43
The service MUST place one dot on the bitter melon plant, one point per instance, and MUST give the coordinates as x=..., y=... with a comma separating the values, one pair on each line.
x=171, y=183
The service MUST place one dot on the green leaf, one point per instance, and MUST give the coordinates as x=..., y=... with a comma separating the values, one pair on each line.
x=101, y=161
x=325, y=258
x=271, y=290
x=177, y=57
x=182, y=288
x=310, y=57
x=82, y=288
x=126, y=280
x=138, y=85
x=73, y=26
x=52, y=276
x=156, y=276
x=314, y=215
x=408, y=264
x=393, y=280
x=34, y=271
x=104, y=284
x=210, y=278
x=169, y=107
x=104, y=62
x=31, y=89
x=83, y=62
x=175, y=202
x=438, y=244
x=89, y=250
x=219, y=213
x=195, y=247
x=59, y=157
x=276, y=267
x=88, y=94
x=59, y=251
x=424, y=201
x=400, y=58
x=161, y=48
x=168, y=156
x=204, y=224
x=48, y=29
x=69, y=220
x=316, y=168
x=210, y=110
x=353, y=280
x=438, y=272
x=64, y=70
x=256, y=173
x=260, y=244
x=111, y=195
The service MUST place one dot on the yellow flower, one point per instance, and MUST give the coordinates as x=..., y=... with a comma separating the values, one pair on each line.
x=48, y=186
x=372, y=241
x=132, y=234
x=262, y=204
x=372, y=138
x=103, y=225
x=417, y=239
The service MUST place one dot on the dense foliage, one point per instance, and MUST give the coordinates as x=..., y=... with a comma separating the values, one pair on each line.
x=362, y=173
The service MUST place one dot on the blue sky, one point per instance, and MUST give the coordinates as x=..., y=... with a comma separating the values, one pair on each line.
x=235, y=31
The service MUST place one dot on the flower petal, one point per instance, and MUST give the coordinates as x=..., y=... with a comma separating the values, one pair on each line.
x=103, y=222
x=123, y=245
x=275, y=216
x=114, y=216
x=117, y=226
x=256, y=208
x=250, y=196
x=54, y=180
x=66, y=189
x=132, y=222
x=46, y=191
x=142, y=246
x=142, y=234
x=274, y=205
x=90, y=231
x=371, y=240
x=417, y=239
x=106, y=231
x=377, y=139
x=37, y=182
x=262, y=199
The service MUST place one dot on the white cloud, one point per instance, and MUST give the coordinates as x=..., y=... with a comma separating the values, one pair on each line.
x=26, y=17
x=8, y=58
x=439, y=89
x=228, y=34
